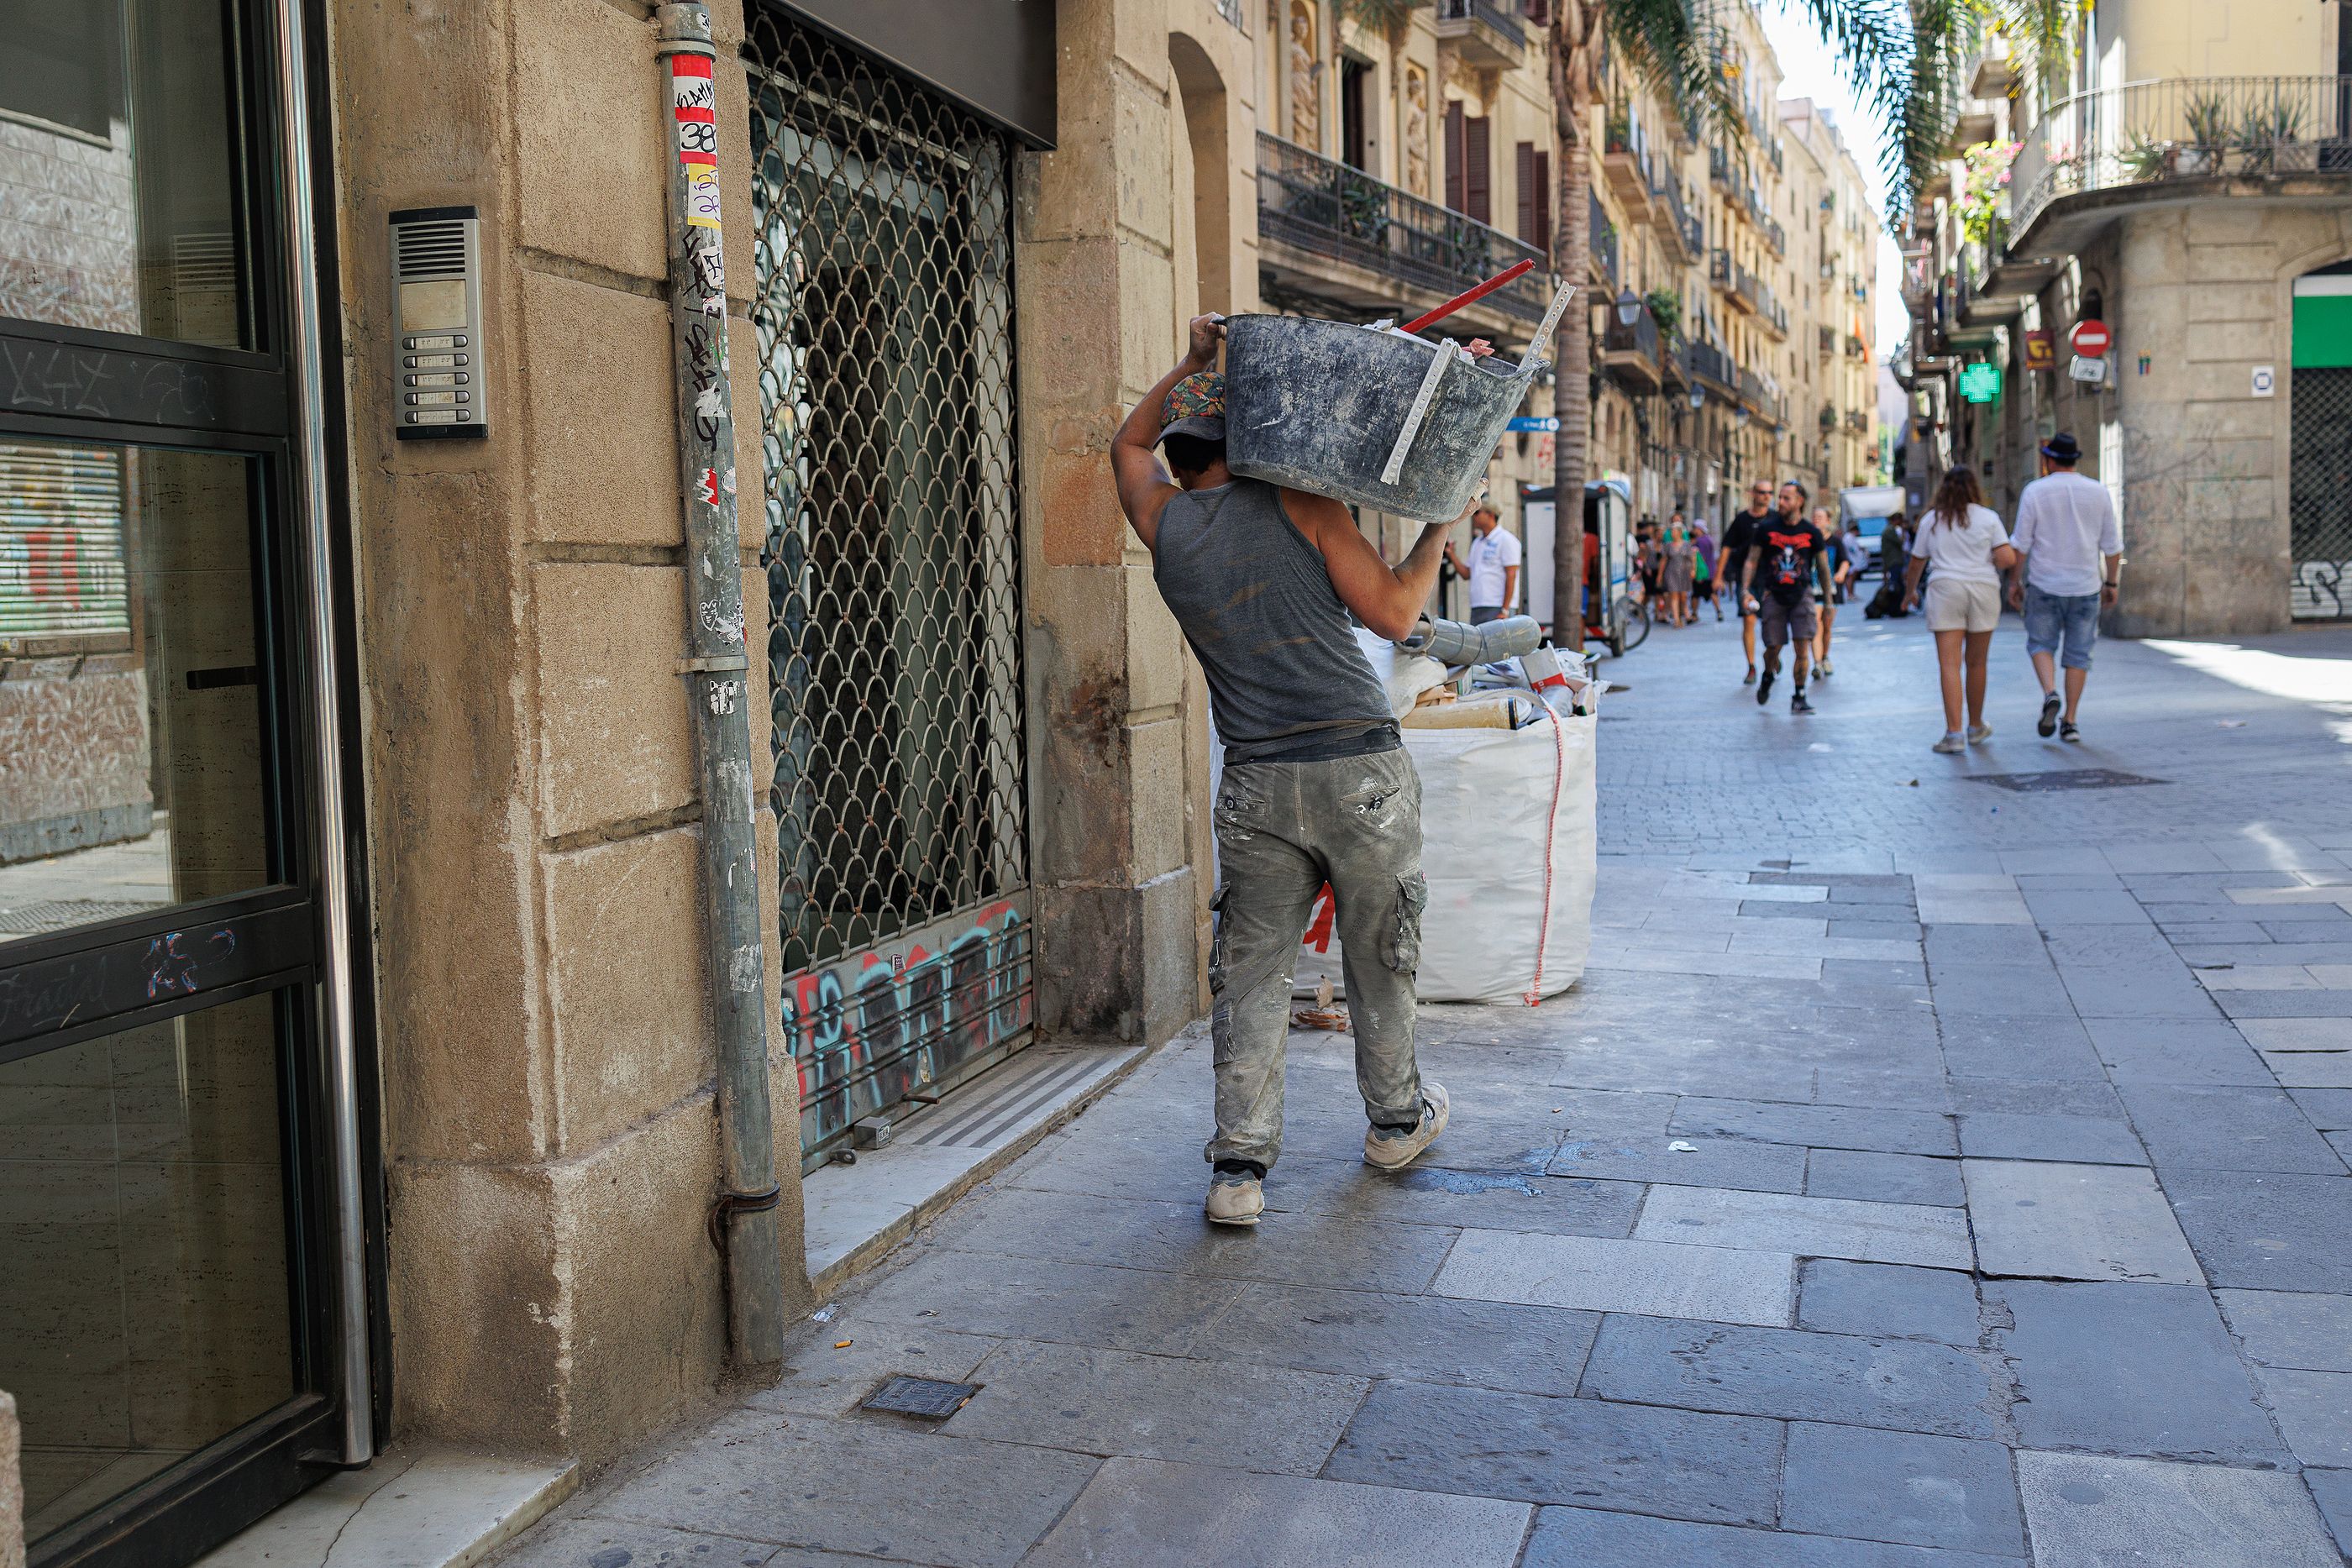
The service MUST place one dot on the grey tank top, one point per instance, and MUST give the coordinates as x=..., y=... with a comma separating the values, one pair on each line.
x=1286, y=681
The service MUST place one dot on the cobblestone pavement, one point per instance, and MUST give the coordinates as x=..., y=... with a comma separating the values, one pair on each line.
x=1927, y=1174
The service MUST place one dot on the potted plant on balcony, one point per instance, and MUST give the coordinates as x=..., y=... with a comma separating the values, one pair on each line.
x=1666, y=309
x=2146, y=160
x=2207, y=116
x=2268, y=140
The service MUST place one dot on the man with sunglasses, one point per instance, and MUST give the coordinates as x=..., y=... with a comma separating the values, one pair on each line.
x=1741, y=534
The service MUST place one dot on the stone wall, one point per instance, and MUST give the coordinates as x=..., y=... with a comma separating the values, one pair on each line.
x=2204, y=292
x=543, y=1026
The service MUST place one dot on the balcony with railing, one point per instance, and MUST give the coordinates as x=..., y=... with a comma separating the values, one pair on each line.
x=1603, y=246
x=1856, y=346
x=1482, y=33
x=1776, y=239
x=1328, y=210
x=1708, y=363
x=1857, y=422
x=1626, y=163
x=1721, y=273
x=1762, y=398
x=1681, y=231
x=1630, y=351
x=1771, y=316
x=2170, y=138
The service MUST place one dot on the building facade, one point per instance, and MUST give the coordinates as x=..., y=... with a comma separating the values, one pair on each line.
x=2182, y=185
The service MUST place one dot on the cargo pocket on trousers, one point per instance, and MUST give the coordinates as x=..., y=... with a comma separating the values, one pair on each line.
x=1217, y=943
x=1401, y=951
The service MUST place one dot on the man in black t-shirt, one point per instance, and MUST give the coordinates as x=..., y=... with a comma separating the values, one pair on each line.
x=1785, y=557
x=1736, y=535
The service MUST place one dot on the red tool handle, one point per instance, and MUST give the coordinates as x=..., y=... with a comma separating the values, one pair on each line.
x=1515, y=269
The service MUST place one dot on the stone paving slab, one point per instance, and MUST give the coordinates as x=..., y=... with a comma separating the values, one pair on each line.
x=1902, y=1486
x=1820, y=1126
x=856, y=1487
x=2291, y=1329
x=1117, y=1403
x=1904, y=1385
x=2313, y=1409
x=1682, y=1463
x=2042, y=1049
x=1881, y=1301
x=2330, y=1110
x=2332, y=1489
x=2155, y=1051
x=1808, y=1227
x=1656, y=1278
x=1707, y=1162
x=1586, y=1538
x=2181, y=1392
x=2244, y=1129
x=2089, y=1512
x=2267, y=1232
x=1141, y=1513
x=2074, y=1222
x=1883, y=1178
x=618, y=1544
x=2029, y=1135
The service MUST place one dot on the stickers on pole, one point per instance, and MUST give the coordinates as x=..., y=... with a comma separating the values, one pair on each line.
x=695, y=106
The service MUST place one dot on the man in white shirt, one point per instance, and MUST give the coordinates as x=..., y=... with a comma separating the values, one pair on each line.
x=1492, y=570
x=2073, y=550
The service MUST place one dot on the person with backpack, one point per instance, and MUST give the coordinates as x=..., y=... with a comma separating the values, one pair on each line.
x=1786, y=558
x=1963, y=541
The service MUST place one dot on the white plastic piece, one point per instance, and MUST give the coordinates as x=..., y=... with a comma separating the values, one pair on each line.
x=1438, y=362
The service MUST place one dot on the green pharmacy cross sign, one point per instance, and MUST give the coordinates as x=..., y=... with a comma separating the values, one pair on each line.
x=1979, y=384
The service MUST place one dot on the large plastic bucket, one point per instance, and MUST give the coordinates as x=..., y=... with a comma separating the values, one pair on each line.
x=1320, y=405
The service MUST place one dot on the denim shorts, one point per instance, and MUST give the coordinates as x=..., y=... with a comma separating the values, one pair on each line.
x=2054, y=618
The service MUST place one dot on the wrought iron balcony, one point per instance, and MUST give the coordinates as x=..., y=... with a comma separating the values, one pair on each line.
x=1775, y=238
x=1827, y=343
x=1681, y=229
x=1857, y=422
x=1632, y=351
x=1484, y=33
x=1708, y=362
x=1855, y=346
x=1344, y=214
x=2159, y=134
x=1603, y=245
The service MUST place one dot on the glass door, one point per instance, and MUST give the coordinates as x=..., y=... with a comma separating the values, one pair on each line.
x=172, y=1312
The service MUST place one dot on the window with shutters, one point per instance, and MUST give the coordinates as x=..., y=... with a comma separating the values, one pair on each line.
x=1458, y=157
x=1523, y=169
x=1478, y=169
x=1541, y=238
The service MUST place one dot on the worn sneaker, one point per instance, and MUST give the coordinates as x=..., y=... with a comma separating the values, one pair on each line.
x=2047, y=725
x=1764, y=684
x=1749, y=678
x=1978, y=734
x=1822, y=667
x=1235, y=1197
x=2068, y=732
x=1387, y=1151
x=1951, y=746
x=1798, y=703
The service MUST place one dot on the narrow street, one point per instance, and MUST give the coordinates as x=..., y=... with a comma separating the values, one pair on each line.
x=1930, y=1172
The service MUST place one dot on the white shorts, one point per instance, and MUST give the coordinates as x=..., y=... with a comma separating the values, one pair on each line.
x=1962, y=606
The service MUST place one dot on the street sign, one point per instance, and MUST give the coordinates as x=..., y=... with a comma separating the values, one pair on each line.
x=2090, y=339
x=1537, y=424
x=2086, y=368
x=2265, y=381
x=2040, y=352
x=1979, y=383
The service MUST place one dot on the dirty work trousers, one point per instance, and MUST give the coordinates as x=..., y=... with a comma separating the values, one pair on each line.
x=1284, y=829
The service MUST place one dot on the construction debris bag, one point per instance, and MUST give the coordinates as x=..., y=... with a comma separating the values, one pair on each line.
x=1508, y=846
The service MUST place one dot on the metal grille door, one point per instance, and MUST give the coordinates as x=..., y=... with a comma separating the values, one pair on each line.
x=885, y=327
x=2319, y=495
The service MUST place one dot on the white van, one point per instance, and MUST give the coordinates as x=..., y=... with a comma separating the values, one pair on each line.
x=1865, y=508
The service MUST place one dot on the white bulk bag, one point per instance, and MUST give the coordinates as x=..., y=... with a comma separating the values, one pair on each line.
x=1507, y=845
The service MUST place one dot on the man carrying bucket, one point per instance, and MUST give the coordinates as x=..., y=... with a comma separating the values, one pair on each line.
x=1317, y=788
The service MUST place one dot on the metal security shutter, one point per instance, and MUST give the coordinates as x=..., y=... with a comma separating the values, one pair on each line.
x=2319, y=495
x=62, y=588
x=883, y=214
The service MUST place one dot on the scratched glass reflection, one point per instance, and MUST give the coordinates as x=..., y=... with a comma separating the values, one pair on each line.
x=120, y=172
x=884, y=319
x=141, y=1218
x=132, y=740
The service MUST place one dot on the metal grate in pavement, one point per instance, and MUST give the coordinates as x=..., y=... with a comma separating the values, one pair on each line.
x=56, y=914
x=926, y=1396
x=2063, y=778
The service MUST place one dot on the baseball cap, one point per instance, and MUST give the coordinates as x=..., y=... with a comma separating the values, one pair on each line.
x=1195, y=406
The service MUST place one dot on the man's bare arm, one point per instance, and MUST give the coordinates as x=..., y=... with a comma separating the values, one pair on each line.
x=1145, y=487
x=1386, y=599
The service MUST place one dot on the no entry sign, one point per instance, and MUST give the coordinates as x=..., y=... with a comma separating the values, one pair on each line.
x=2090, y=339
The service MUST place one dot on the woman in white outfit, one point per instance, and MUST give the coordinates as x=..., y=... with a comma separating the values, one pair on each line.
x=1963, y=539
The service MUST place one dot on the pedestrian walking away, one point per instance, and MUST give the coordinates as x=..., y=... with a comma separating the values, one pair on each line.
x=1708, y=583
x=1737, y=534
x=1963, y=550
x=1679, y=573
x=1838, y=561
x=1317, y=786
x=1786, y=561
x=1493, y=569
x=2072, y=546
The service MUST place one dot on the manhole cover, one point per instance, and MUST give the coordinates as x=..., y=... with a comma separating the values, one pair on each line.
x=928, y=1396
x=2065, y=778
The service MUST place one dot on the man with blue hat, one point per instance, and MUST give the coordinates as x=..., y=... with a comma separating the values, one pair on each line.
x=2074, y=549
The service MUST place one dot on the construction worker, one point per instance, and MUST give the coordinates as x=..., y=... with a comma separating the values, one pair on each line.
x=1317, y=785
